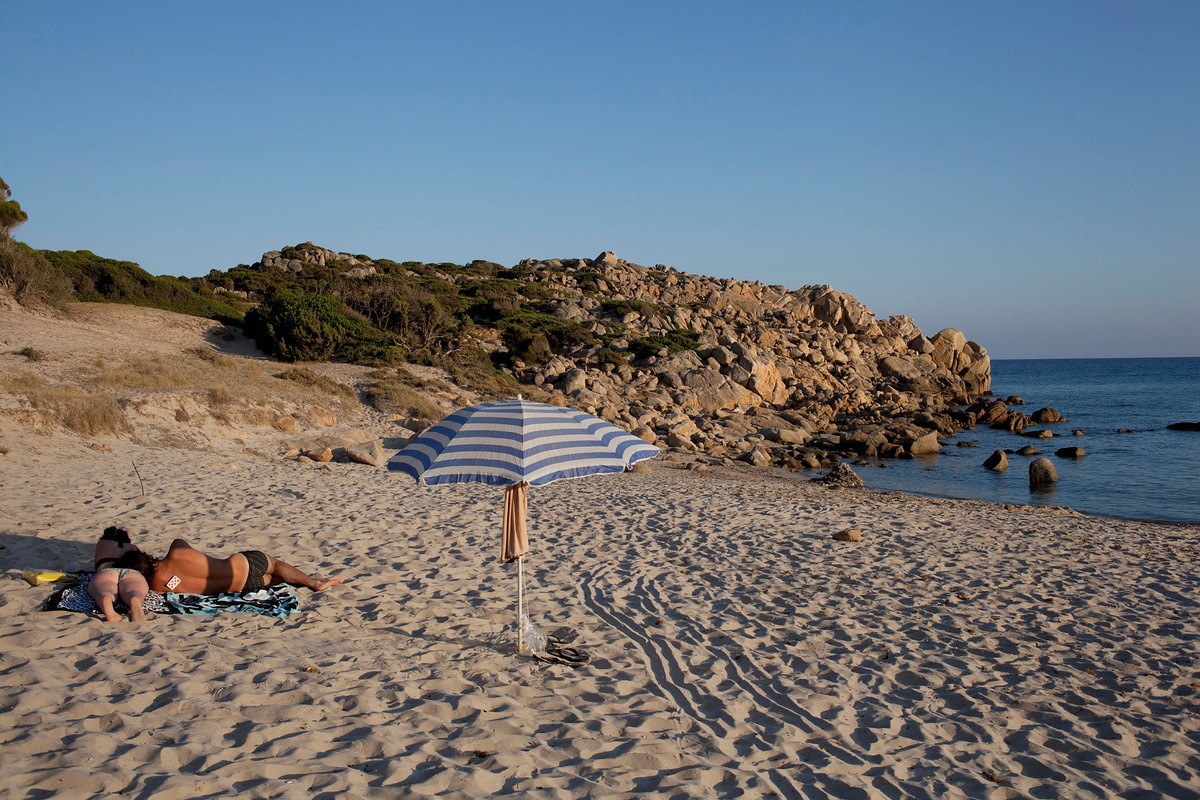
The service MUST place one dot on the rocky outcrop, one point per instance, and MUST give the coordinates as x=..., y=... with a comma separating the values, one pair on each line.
x=796, y=378
x=295, y=259
x=349, y=444
x=787, y=366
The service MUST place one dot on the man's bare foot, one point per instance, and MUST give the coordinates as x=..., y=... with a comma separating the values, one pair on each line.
x=322, y=585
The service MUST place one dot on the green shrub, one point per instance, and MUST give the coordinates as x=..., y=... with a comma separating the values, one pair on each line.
x=674, y=341
x=312, y=328
x=30, y=277
x=538, y=351
x=472, y=368
x=610, y=356
x=619, y=307
x=520, y=328
x=106, y=280
x=414, y=316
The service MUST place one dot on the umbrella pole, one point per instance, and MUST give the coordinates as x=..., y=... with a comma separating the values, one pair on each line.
x=520, y=602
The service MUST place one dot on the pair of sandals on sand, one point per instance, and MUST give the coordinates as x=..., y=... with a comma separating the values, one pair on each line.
x=557, y=652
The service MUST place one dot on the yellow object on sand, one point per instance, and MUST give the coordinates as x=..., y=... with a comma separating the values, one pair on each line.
x=37, y=577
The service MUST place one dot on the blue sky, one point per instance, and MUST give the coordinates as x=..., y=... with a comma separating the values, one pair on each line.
x=1026, y=172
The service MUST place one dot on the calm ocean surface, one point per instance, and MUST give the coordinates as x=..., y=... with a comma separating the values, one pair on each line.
x=1152, y=474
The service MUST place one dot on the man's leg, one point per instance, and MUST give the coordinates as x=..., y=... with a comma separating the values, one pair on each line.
x=281, y=572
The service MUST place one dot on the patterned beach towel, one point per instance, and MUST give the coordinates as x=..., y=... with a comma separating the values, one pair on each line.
x=274, y=601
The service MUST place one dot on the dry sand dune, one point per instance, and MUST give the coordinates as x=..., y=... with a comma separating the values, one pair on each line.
x=960, y=650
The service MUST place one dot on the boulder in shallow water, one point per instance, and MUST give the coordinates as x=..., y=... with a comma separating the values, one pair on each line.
x=1069, y=452
x=1042, y=473
x=1029, y=450
x=925, y=445
x=1044, y=416
x=997, y=461
x=1184, y=426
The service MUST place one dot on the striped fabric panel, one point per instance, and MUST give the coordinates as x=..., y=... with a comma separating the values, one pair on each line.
x=510, y=441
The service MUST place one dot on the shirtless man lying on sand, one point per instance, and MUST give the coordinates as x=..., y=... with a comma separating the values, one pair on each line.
x=185, y=569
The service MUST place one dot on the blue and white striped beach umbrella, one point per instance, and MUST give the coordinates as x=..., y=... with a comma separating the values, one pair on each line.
x=514, y=441
x=516, y=444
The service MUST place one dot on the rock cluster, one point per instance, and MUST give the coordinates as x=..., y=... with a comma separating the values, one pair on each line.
x=795, y=378
x=790, y=378
x=294, y=259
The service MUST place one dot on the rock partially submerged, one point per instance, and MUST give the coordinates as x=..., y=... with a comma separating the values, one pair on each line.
x=1042, y=473
x=997, y=461
x=842, y=477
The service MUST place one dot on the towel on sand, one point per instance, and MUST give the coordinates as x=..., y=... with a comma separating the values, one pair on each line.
x=274, y=601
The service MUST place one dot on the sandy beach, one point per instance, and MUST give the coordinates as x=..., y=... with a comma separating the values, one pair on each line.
x=961, y=649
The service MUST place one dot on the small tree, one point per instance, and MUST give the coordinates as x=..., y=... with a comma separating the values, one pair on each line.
x=23, y=270
x=11, y=215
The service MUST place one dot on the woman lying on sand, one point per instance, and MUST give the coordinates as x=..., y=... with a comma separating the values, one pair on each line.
x=119, y=573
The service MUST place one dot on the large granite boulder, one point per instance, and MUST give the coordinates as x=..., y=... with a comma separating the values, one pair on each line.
x=925, y=445
x=369, y=453
x=1045, y=416
x=1042, y=473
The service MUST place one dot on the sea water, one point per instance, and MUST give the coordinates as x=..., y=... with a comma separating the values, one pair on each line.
x=1149, y=474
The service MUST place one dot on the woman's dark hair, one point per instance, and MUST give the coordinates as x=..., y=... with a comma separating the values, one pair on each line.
x=142, y=561
x=115, y=534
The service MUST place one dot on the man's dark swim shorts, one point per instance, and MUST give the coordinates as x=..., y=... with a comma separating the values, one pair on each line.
x=258, y=563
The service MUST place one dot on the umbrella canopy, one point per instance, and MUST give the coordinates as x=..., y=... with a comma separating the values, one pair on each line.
x=515, y=441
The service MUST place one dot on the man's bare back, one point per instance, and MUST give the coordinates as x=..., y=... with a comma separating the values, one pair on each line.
x=187, y=570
